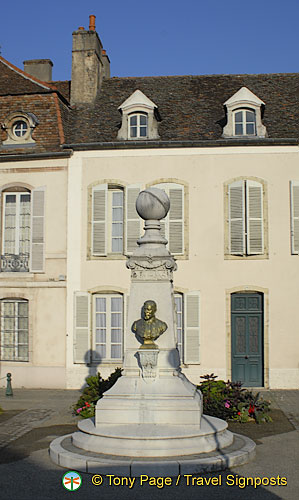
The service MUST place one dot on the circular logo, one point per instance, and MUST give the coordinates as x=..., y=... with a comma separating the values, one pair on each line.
x=71, y=480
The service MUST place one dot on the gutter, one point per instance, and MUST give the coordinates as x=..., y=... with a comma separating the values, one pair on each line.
x=181, y=144
x=36, y=156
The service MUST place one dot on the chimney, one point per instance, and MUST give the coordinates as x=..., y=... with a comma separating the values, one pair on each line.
x=39, y=68
x=89, y=65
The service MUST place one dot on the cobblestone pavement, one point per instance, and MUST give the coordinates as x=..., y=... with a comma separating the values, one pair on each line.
x=22, y=423
x=288, y=402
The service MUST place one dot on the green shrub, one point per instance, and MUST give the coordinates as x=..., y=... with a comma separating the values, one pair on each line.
x=96, y=386
x=229, y=401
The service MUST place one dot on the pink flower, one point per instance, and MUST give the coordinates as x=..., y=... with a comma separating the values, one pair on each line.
x=79, y=409
x=227, y=405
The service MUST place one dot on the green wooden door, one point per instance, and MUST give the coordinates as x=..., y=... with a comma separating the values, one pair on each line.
x=247, y=338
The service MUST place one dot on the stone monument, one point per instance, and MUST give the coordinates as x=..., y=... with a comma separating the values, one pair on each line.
x=153, y=410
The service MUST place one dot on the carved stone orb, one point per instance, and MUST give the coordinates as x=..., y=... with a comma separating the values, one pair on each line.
x=152, y=203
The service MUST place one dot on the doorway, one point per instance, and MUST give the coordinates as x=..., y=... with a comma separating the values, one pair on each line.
x=247, y=338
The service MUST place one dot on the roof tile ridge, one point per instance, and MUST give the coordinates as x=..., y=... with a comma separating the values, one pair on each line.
x=26, y=75
x=211, y=75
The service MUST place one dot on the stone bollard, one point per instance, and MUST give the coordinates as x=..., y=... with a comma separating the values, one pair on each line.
x=8, y=386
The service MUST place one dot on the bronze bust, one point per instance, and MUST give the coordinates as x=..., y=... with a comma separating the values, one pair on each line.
x=149, y=328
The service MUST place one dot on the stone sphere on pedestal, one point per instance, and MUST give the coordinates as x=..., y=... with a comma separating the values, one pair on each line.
x=152, y=204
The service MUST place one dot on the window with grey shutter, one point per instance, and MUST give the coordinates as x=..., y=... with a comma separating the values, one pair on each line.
x=133, y=221
x=294, y=191
x=82, y=327
x=172, y=226
x=192, y=327
x=99, y=220
x=245, y=218
x=236, y=197
x=37, y=254
x=255, y=233
x=176, y=220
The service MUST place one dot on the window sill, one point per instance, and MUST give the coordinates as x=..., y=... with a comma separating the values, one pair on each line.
x=106, y=362
x=22, y=275
x=110, y=256
x=246, y=257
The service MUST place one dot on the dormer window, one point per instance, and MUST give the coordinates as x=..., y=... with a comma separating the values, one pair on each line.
x=244, y=122
x=19, y=127
x=140, y=118
x=138, y=125
x=244, y=115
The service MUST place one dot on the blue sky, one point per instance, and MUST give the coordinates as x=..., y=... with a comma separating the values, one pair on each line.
x=159, y=37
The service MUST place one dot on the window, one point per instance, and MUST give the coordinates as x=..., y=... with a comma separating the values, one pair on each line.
x=244, y=122
x=245, y=218
x=98, y=327
x=14, y=330
x=140, y=118
x=19, y=127
x=138, y=126
x=107, y=220
x=172, y=226
x=22, y=237
x=244, y=115
x=16, y=231
x=115, y=224
x=108, y=327
x=188, y=326
x=294, y=191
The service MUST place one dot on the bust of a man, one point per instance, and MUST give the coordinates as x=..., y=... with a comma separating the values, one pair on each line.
x=149, y=328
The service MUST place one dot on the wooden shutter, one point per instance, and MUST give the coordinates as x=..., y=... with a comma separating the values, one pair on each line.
x=254, y=210
x=176, y=220
x=172, y=227
x=82, y=349
x=133, y=221
x=294, y=189
x=236, y=218
x=37, y=253
x=99, y=220
x=192, y=326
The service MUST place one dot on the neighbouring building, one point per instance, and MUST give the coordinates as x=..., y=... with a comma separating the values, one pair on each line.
x=73, y=158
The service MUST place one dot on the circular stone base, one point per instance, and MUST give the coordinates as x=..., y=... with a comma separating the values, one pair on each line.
x=65, y=454
x=143, y=440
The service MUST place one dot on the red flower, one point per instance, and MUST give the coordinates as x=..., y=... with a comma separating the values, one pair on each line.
x=239, y=413
x=251, y=409
x=87, y=404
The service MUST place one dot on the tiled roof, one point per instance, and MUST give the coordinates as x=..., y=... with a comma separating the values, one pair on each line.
x=191, y=107
x=64, y=87
x=21, y=92
x=14, y=81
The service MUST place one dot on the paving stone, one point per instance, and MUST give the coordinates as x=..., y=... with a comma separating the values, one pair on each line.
x=22, y=423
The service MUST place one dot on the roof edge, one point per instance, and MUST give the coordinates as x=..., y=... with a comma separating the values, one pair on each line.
x=182, y=144
x=35, y=156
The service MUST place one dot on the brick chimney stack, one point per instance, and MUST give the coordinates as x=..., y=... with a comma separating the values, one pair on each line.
x=89, y=65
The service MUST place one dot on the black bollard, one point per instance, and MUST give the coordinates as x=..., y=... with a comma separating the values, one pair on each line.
x=8, y=385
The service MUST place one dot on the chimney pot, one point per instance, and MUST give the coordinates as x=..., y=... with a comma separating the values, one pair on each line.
x=92, y=23
x=81, y=28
